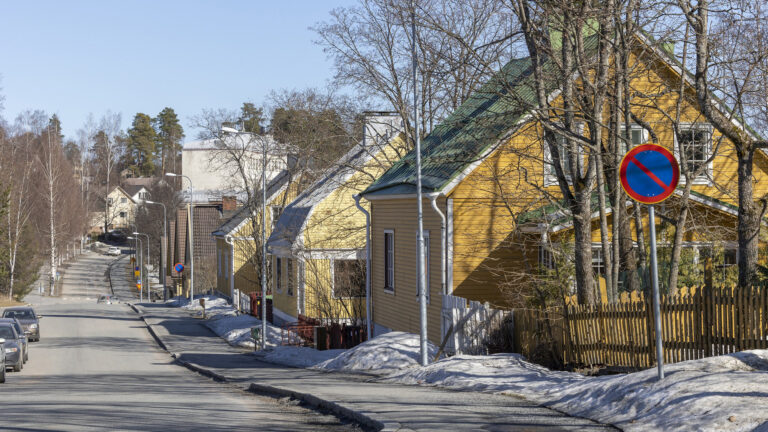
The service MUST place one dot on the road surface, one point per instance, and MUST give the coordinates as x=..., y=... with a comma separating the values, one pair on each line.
x=97, y=368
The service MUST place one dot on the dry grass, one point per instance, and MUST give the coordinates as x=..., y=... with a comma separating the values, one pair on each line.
x=4, y=302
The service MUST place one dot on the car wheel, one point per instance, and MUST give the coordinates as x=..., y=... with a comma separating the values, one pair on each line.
x=26, y=357
x=18, y=366
x=2, y=376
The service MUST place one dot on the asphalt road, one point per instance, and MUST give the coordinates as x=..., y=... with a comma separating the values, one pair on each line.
x=97, y=368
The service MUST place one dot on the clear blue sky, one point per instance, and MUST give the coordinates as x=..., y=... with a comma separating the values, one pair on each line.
x=78, y=57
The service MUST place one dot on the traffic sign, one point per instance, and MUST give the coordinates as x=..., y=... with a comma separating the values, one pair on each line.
x=649, y=173
x=179, y=267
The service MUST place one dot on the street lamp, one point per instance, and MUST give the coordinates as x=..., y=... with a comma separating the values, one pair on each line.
x=164, y=245
x=141, y=265
x=147, y=288
x=227, y=129
x=191, y=237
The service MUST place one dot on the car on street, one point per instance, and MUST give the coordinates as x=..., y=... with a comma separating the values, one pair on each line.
x=13, y=356
x=23, y=338
x=30, y=321
x=114, y=251
x=108, y=299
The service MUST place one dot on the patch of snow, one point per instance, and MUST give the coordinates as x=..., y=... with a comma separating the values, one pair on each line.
x=725, y=393
x=381, y=355
x=300, y=357
x=236, y=330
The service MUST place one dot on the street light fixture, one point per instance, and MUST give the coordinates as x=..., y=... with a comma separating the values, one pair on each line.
x=191, y=237
x=147, y=288
x=164, y=245
x=227, y=129
x=140, y=255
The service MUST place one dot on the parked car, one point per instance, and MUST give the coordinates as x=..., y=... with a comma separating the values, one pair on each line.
x=14, y=357
x=108, y=299
x=23, y=338
x=114, y=251
x=30, y=321
x=2, y=362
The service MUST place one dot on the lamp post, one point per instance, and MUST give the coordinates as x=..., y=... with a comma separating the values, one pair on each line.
x=147, y=288
x=237, y=133
x=141, y=266
x=164, y=246
x=191, y=236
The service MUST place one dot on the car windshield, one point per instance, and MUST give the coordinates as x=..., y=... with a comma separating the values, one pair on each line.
x=6, y=332
x=20, y=314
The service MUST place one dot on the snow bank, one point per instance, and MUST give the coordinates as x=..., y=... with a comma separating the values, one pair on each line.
x=381, y=355
x=236, y=330
x=300, y=357
x=725, y=393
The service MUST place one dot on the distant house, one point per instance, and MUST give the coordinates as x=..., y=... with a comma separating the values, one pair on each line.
x=119, y=211
x=318, y=243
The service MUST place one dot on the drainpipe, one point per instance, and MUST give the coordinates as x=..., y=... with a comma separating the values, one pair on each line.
x=228, y=240
x=433, y=200
x=367, y=266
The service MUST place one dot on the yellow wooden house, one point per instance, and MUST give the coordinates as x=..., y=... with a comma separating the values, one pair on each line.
x=236, y=249
x=489, y=189
x=318, y=244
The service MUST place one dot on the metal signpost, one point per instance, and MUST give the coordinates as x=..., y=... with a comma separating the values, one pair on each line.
x=649, y=174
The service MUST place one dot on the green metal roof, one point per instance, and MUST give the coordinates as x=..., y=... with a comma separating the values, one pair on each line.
x=479, y=123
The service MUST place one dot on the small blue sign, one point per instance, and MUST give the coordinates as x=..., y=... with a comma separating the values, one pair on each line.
x=179, y=267
x=136, y=268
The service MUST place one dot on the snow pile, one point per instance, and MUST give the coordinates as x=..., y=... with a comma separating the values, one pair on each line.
x=214, y=305
x=712, y=394
x=236, y=330
x=300, y=357
x=381, y=355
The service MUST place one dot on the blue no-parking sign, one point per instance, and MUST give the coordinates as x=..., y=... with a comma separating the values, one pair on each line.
x=649, y=173
x=179, y=267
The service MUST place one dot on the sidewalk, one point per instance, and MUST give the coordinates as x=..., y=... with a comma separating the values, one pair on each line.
x=373, y=404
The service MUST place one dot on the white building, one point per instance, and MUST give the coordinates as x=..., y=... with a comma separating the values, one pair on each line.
x=210, y=164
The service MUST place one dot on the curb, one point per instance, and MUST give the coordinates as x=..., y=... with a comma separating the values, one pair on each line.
x=309, y=399
x=317, y=402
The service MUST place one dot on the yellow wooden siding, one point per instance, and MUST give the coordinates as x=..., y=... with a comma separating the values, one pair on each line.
x=400, y=310
x=281, y=299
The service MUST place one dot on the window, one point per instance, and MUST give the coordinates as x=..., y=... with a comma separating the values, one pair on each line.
x=289, y=273
x=278, y=275
x=637, y=135
x=276, y=212
x=109, y=201
x=546, y=259
x=550, y=176
x=696, y=142
x=348, y=278
x=123, y=200
x=219, y=261
x=426, y=263
x=389, y=260
x=598, y=263
x=122, y=215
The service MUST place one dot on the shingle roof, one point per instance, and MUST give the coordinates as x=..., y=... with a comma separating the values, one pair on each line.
x=467, y=133
x=132, y=189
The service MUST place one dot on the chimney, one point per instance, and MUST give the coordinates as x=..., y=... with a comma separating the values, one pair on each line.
x=379, y=127
x=228, y=203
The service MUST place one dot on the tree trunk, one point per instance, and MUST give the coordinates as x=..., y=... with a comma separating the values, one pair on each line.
x=582, y=228
x=749, y=221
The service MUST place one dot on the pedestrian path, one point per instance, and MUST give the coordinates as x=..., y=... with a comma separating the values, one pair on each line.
x=375, y=404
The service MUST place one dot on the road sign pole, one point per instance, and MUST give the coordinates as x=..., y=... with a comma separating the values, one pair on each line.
x=655, y=281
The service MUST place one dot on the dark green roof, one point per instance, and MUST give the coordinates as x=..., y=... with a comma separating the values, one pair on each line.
x=479, y=123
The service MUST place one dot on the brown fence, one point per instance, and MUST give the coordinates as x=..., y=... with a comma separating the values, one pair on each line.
x=695, y=324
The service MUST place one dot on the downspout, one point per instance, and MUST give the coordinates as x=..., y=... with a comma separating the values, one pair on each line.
x=443, y=247
x=235, y=303
x=367, y=266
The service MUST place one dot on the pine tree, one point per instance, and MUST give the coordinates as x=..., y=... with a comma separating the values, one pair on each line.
x=251, y=117
x=141, y=145
x=169, y=135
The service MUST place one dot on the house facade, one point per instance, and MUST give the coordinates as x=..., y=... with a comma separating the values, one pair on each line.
x=487, y=170
x=318, y=244
x=119, y=210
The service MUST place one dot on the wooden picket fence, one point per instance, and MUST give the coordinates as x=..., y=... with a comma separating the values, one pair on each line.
x=696, y=323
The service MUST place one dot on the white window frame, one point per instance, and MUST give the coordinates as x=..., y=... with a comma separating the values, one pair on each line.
x=390, y=289
x=289, y=281
x=550, y=178
x=278, y=274
x=123, y=200
x=706, y=177
x=632, y=128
